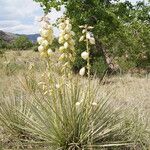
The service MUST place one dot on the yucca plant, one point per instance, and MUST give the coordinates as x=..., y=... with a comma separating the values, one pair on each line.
x=11, y=104
x=68, y=118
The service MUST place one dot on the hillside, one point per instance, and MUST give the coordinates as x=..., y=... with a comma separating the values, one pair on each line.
x=9, y=37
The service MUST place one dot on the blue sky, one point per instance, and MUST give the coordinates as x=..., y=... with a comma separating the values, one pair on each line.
x=21, y=16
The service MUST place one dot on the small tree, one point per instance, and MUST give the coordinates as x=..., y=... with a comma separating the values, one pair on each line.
x=22, y=43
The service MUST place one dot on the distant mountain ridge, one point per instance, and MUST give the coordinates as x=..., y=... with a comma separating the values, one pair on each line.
x=9, y=37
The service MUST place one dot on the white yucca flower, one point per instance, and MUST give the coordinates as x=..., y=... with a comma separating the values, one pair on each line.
x=66, y=45
x=85, y=55
x=82, y=71
x=45, y=43
x=61, y=49
x=50, y=52
x=62, y=26
x=40, y=40
x=72, y=33
x=92, y=40
x=66, y=36
x=41, y=48
x=45, y=33
x=88, y=35
x=46, y=38
x=61, y=40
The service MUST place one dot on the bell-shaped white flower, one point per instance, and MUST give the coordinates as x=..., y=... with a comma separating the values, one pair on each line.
x=61, y=49
x=62, y=26
x=88, y=36
x=50, y=52
x=82, y=71
x=61, y=40
x=45, y=33
x=68, y=28
x=45, y=43
x=41, y=48
x=92, y=40
x=40, y=40
x=72, y=33
x=66, y=36
x=66, y=45
x=85, y=55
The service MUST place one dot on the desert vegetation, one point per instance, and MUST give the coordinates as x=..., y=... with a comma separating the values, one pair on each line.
x=78, y=92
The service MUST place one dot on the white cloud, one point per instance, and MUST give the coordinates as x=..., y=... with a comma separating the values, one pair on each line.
x=18, y=27
x=21, y=16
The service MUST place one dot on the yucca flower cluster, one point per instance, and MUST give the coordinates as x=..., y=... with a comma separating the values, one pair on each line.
x=46, y=38
x=90, y=40
x=67, y=42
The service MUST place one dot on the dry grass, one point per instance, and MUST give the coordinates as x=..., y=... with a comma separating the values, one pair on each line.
x=129, y=91
x=126, y=89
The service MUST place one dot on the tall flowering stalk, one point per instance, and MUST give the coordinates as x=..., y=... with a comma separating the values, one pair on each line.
x=88, y=38
x=46, y=38
x=68, y=44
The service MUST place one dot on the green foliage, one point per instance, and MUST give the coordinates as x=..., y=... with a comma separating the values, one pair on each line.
x=2, y=44
x=22, y=43
x=115, y=26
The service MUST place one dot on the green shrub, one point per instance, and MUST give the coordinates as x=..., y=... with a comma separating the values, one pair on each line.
x=22, y=43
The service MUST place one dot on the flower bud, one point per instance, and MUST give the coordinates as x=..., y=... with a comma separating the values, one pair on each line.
x=90, y=27
x=85, y=55
x=83, y=31
x=81, y=38
x=82, y=71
